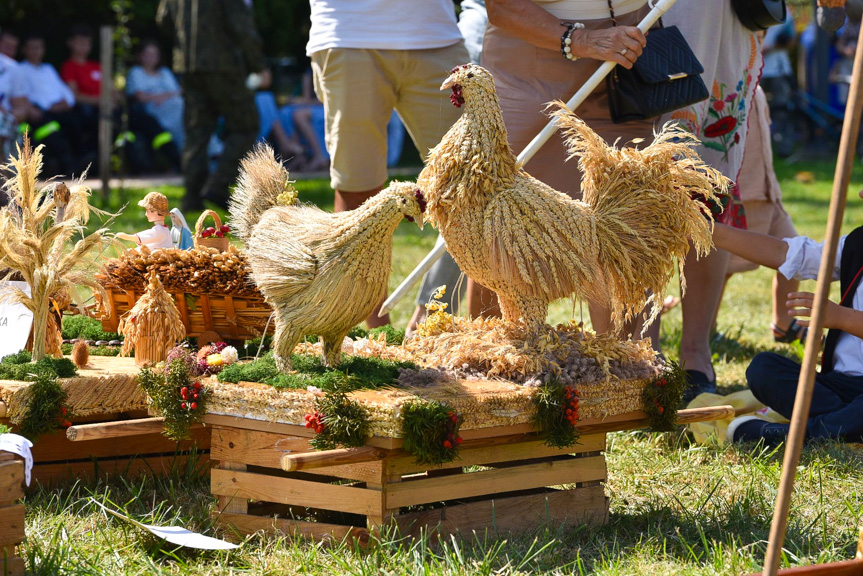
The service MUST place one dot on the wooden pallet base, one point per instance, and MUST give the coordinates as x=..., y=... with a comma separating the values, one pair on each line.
x=497, y=484
x=11, y=514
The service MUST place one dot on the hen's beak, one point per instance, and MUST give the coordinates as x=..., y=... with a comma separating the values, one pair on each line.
x=448, y=83
x=419, y=220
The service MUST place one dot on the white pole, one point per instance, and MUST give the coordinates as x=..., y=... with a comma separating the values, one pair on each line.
x=658, y=9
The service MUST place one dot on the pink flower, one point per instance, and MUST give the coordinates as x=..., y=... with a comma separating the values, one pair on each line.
x=731, y=97
x=718, y=105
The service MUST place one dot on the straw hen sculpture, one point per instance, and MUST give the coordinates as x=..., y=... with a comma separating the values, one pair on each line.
x=532, y=244
x=322, y=273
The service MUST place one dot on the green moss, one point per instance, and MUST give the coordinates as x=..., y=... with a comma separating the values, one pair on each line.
x=79, y=326
x=353, y=373
x=18, y=367
x=44, y=406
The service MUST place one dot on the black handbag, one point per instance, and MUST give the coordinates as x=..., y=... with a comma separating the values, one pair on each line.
x=759, y=14
x=666, y=77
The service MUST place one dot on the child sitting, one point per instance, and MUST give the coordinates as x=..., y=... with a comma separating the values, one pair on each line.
x=837, y=399
x=155, y=205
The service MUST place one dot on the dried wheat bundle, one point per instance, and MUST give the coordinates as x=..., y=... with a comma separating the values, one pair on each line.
x=532, y=244
x=43, y=241
x=322, y=273
x=199, y=271
x=153, y=326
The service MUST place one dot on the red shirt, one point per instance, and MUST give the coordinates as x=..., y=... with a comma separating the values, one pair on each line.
x=86, y=75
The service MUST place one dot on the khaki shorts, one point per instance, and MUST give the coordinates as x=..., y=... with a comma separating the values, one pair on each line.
x=360, y=88
x=765, y=217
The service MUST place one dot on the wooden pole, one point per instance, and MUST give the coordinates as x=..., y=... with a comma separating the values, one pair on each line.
x=660, y=7
x=117, y=429
x=106, y=42
x=806, y=383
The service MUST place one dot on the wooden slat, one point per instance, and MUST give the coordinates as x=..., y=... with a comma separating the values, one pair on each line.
x=264, y=449
x=56, y=472
x=117, y=429
x=12, y=566
x=3, y=409
x=205, y=310
x=233, y=504
x=248, y=524
x=847, y=568
x=549, y=473
x=56, y=447
x=289, y=491
x=12, y=525
x=11, y=482
x=287, y=429
x=492, y=450
x=180, y=299
x=553, y=508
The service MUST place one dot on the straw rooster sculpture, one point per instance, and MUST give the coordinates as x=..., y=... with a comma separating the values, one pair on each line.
x=532, y=244
x=322, y=273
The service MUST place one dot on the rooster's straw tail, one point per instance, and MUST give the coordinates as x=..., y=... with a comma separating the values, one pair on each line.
x=262, y=178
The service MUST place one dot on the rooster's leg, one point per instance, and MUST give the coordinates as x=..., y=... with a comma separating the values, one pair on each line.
x=531, y=311
x=333, y=349
x=284, y=342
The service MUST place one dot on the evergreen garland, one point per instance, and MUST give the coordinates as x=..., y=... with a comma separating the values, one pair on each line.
x=45, y=410
x=663, y=395
x=176, y=395
x=556, y=414
x=431, y=431
x=338, y=421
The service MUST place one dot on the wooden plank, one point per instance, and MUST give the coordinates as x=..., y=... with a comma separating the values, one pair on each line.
x=11, y=481
x=56, y=472
x=55, y=447
x=117, y=429
x=180, y=299
x=12, y=566
x=3, y=409
x=492, y=450
x=847, y=568
x=549, y=473
x=287, y=429
x=12, y=525
x=205, y=310
x=290, y=491
x=232, y=504
x=513, y=513
x=248, y=524
x=264, y=449
x=324, y=458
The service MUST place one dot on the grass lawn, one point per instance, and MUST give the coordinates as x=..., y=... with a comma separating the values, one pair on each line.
x=676, y=508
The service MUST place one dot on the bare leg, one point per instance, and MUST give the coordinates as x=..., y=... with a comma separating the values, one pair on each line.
x=348, y=201
x=289, y=147
x=481, y=301
x=705, y=278
x=303, y=122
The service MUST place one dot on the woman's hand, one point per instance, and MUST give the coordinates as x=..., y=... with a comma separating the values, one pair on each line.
x=620, y=44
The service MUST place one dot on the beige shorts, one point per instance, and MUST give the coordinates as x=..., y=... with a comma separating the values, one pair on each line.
x=360, y=88
x=765, y=217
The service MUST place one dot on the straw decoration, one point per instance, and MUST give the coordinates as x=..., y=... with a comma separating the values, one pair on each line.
x=153, y=326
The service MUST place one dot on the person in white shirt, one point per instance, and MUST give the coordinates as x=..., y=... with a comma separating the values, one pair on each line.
x=837, y=400
x=155, y=205
x=50, y=102
x=13, y=101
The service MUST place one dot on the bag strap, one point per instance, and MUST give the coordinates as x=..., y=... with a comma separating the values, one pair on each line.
x=614, y=18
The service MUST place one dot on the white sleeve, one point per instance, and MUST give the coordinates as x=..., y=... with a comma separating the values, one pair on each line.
x=148, y=236
x=65, y=93
x=804, y=258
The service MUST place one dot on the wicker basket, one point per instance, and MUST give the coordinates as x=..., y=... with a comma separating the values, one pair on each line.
x=221, y=244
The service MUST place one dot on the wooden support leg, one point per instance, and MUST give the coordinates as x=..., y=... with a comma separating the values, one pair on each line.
x=383, y=515
x=232, y=504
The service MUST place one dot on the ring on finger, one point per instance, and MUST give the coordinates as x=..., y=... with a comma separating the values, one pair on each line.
x=624, y=51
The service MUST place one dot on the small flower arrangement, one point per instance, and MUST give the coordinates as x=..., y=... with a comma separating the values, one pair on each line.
x=431, y=431
x=175, y=392
x=556, y=414
x=213, y=358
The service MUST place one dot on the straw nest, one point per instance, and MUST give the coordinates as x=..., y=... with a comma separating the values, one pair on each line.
x=153, y=326
x=532, y=244
x=200, y=271
x=322, y=273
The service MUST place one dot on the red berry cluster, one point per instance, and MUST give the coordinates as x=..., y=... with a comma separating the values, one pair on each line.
x=220, y=233
x=189, y=396
x=64, y=421
x=315, y=421
x=570, y=394
x=451, y=439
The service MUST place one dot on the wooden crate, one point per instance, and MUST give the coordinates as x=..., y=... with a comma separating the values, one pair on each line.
x=504, y=479
x=231, y=317
x=11, y=514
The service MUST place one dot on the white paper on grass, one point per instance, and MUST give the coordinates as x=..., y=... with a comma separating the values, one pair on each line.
x=20, y=446
x=15, y=321
x=175, y=534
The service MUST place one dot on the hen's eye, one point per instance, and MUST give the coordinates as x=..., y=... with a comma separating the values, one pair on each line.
x=470, y=74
